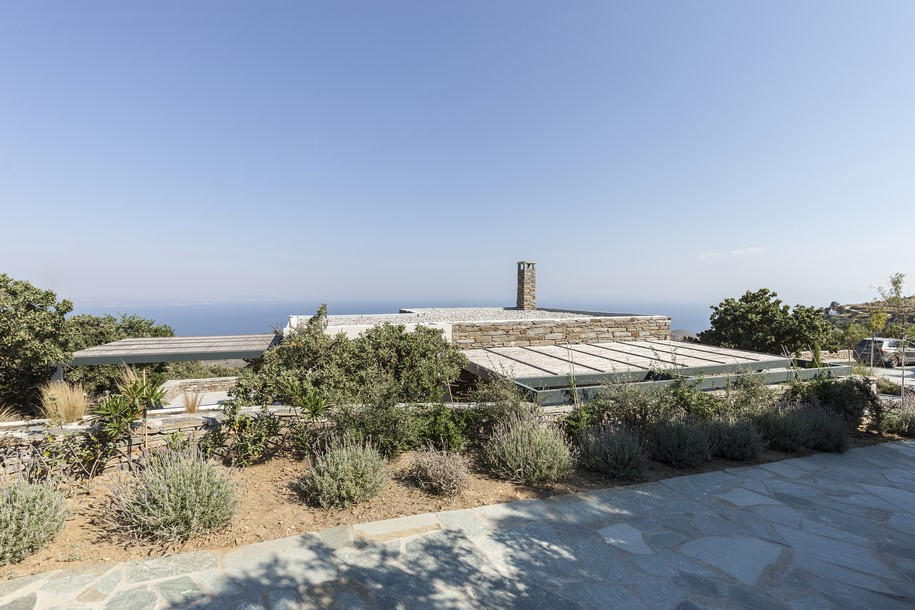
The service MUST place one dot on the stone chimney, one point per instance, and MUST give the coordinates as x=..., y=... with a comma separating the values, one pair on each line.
x=527, y=286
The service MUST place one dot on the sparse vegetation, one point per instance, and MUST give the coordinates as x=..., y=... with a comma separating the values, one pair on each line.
x=439, y=472
x=525, y=450
x=31, y=515
x=349, y=472
x=175, y=496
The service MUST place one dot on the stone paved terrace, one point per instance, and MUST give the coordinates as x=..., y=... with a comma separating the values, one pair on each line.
x=824, y=531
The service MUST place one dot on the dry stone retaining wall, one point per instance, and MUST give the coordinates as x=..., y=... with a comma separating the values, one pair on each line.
x=519, y=333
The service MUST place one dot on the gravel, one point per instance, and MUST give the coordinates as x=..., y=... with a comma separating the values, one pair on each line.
x=460, y=314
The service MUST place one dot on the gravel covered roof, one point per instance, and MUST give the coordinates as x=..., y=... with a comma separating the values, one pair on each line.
x=463, y=314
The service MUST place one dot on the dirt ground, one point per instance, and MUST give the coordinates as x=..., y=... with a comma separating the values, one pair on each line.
x=270, y=508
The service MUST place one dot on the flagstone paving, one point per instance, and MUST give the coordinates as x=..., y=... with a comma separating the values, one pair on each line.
x=823, y=531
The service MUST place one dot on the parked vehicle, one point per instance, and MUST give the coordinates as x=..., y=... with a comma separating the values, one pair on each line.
x=886, y=352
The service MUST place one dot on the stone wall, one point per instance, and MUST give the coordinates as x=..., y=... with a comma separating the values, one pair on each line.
x=512, y=333
x=175, y=387
x=19, y=442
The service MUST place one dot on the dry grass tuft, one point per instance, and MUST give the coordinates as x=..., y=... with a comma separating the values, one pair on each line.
x=63, y=402
x=192, y=400
x=7, y=414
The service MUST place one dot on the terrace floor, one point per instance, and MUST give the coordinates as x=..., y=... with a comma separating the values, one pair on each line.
x=823, y=531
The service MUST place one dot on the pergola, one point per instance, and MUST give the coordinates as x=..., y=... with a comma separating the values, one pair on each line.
x=174, y=349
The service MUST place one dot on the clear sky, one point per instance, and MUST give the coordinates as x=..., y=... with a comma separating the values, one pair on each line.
x=413, y=151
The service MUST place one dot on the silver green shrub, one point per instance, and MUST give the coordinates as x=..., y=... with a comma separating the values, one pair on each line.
x=442, y=473
x=31, y=515
x=735, y=439
x=901, y=422
x=680, y=444
x=524, y=450
x=613, y=451
x=346, y=473
x=175, y=496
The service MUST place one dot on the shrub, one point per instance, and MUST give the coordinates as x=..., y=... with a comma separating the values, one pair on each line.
x=851, y=398
x=443, y=428
x=348, y=472
x=901, y=422
x=242, y=439
x=613, y=451
x=31, y=515
x=822, y=430
x=735, y=440
x=63, y=402
x=678, y=443
x=32, y=323
x=686, y=397
x=524, y=450
x=623, y=405
x=386, y=362
x=748, y=395
x=176, y=495
x=391, y=428
x=442, y=473
x=781, y=430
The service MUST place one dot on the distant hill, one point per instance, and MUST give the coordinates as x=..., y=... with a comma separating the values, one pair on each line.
x=682, y=335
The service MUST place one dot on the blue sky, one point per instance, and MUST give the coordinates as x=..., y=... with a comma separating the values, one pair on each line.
x=178, y=152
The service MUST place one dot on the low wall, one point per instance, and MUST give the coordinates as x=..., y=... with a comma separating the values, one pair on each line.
x=19, y=442
x=175, y=387
x=519, y=333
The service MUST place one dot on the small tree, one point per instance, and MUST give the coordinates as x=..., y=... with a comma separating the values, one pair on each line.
x=759, y=321
x=31, y=340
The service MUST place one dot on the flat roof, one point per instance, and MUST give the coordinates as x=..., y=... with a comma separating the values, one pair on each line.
x=174, y=349
x=451, y=315
x=595, y=363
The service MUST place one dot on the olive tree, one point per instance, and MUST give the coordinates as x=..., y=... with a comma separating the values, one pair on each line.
x=759, y=321
x=32, y=326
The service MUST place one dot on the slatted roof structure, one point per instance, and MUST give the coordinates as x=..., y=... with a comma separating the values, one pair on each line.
x=547, y=371
x=174, y=349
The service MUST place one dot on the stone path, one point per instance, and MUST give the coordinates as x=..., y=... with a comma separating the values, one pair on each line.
x=823, y=531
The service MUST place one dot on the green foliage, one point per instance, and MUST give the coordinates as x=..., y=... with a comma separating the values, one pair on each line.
x=242, y=438
x=87, y=330
x=623, y=405
x=749, y=395
x=613, y=451
x=735, y=440
x=303, y=396
x=901, y=422
x=350, y=471
x=442, y=473
x=31, y=515
x=174, y=497
x=391, y=428
x=525, y=450
x=195, y=369
x=822, y=430
x=851, y=398
x=678, y=443
x=384, y=363
x=443, y=428
x=781, y=429
x=758, y=321
x=32, y=323
x=852, y=334
x=686, y=398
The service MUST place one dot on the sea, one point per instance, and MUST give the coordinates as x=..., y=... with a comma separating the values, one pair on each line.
x=230, y=318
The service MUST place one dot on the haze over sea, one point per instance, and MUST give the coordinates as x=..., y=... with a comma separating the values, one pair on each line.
x=261, y=317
